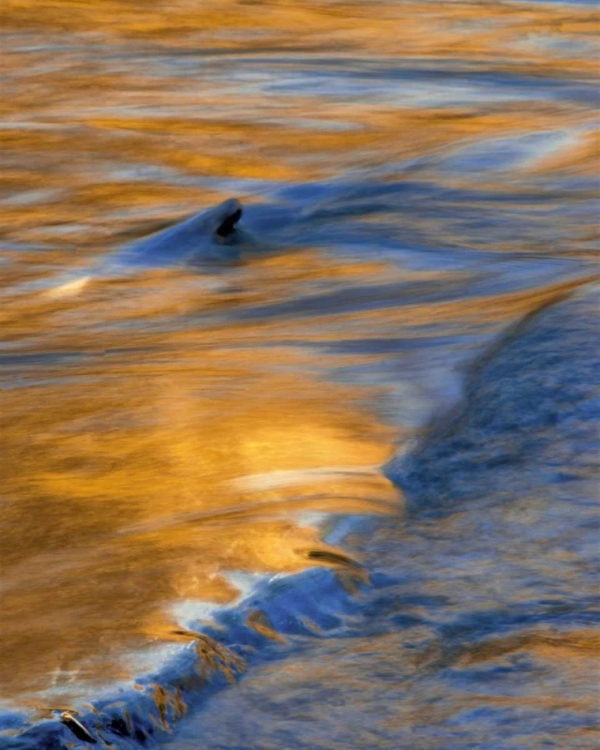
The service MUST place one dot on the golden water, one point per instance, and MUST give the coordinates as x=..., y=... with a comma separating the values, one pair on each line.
x=163, y=431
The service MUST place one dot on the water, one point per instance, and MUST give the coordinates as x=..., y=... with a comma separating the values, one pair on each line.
x=337, y=491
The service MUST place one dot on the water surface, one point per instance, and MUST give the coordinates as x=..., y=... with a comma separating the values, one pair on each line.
x=338, y=492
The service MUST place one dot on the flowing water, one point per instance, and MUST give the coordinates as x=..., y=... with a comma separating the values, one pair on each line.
x=337, y=491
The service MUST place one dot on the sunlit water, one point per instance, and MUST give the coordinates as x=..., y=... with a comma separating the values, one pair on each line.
x=337, y=492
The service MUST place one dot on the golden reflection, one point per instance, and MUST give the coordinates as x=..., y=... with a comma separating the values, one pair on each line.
x=144, y=480
x=572, y=646
x=464, y=28
x=260, y=622
x=85, y=131
x=150, y=446
x=580, y=157
x=144, y=474
x=168, y=699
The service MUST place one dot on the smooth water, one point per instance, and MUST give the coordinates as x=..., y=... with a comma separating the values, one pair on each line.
x=339, y=491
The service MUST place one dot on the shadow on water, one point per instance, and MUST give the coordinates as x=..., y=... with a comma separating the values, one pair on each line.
x=346, y=473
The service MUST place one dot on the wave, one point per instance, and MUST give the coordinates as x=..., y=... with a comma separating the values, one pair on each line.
x=529, y=401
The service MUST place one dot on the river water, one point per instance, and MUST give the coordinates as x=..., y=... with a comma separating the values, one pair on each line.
x=337, y=492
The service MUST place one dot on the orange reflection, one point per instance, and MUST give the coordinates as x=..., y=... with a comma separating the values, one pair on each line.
x=144, y=460
x=148, y=478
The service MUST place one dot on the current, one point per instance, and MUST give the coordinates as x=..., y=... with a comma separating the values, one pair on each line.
x=336, y=489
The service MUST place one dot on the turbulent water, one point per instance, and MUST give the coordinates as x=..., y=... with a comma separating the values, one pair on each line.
x=336, y=489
